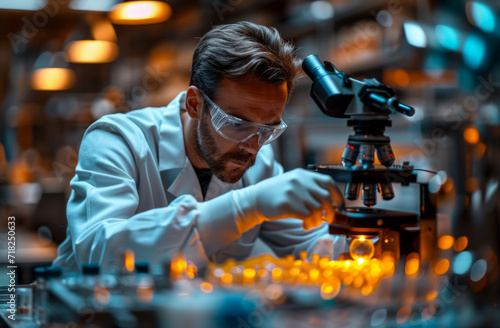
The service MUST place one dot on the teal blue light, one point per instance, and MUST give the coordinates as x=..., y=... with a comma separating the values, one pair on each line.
x=415, y=35
x=474, y=51
x=462, y=262
x=448, y=37
x=32, y=5
x=483, y=16
x=86, y=5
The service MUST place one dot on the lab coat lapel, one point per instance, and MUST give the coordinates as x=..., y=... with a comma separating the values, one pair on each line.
x=186, y=183
x=176, y=172
x=171, y=154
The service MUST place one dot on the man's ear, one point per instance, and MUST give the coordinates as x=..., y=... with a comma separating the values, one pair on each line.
x=194, y=102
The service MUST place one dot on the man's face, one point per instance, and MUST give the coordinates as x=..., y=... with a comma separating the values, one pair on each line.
x=252, y=101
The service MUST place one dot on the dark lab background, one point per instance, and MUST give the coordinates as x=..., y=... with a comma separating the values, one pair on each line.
x=65, y=63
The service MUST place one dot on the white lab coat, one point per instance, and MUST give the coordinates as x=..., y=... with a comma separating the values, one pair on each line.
x=134, y=188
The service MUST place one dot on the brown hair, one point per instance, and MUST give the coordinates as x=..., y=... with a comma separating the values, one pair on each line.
x=239, y=51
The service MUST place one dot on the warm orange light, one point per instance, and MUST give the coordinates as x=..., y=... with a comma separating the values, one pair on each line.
x=277, y=274
x=403, y=314
x=129, y=260
x=412, y=264
x=446, y=242
x=206, y=287
x=376, y=270
x=52, y=78
x=330, y=289
x=366, y=290
x=140, y=12
x=191, y=270
x=361, y=248
x=178, y=266
x=460, y=244
x=362, y=274
x=226, y=278
x=314, y=274
x=323, y=262
x=471, y=135
x=388, y=264
x=358, y=281
x=294, y=272
x=432, y=295
x=411, y=267
x=91, y=51
x=249, y=273
x=103, y=30
x=442, y=266
x=327, y=273
x=401, y=77
x=348, y=280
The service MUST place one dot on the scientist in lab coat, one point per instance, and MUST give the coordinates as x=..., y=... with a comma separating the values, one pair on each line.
x=199, y=175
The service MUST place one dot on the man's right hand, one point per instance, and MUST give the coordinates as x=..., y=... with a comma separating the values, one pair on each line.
x=298, y=194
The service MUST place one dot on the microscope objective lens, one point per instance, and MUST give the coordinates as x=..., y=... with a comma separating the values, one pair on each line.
x=385, y=154
x=369, y=194
x=351, y=190
x=366, y=155
x=385, y=189
x=350, y=155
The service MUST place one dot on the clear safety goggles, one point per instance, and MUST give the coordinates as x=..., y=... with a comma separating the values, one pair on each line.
x=238, y=130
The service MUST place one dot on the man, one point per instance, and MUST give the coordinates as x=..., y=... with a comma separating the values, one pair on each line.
x=198, y=176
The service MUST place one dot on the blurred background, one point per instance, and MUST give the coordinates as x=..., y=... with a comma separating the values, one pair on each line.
x=65, y=63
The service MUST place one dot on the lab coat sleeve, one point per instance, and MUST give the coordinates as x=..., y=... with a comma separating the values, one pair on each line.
x=103, y=212
x=287, y=236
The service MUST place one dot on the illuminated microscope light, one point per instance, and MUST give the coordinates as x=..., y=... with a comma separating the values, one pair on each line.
x=361, y=249
x=362, y=274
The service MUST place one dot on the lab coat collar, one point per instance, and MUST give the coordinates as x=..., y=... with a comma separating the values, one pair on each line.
x=177, y=173
x=171, y=151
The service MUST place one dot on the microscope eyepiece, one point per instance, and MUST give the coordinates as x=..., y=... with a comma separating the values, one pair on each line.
x=328, y=89
x=313, y=67
x=404, y=109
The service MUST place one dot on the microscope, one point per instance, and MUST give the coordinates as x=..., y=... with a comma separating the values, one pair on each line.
x=367, y=105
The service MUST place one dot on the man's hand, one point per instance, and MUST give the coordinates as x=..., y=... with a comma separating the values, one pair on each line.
x=298, y=194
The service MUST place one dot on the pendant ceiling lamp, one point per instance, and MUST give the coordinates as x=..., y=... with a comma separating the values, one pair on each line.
x=140, y=12
x=96, y=43
x=51, y=72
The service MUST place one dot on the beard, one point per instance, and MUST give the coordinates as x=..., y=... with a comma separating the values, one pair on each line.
x=206, y=148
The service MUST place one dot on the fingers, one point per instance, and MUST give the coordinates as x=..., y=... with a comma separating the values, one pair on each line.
x=324, y=211
x=338, y=198
x=314, y=220
x=328, y=212
x=336, y=195
x=312, y=198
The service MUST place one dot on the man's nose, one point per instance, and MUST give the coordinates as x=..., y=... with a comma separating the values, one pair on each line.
x=251, y=145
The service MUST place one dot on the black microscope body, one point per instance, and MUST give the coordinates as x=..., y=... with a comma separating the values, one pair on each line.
x=366, y=105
